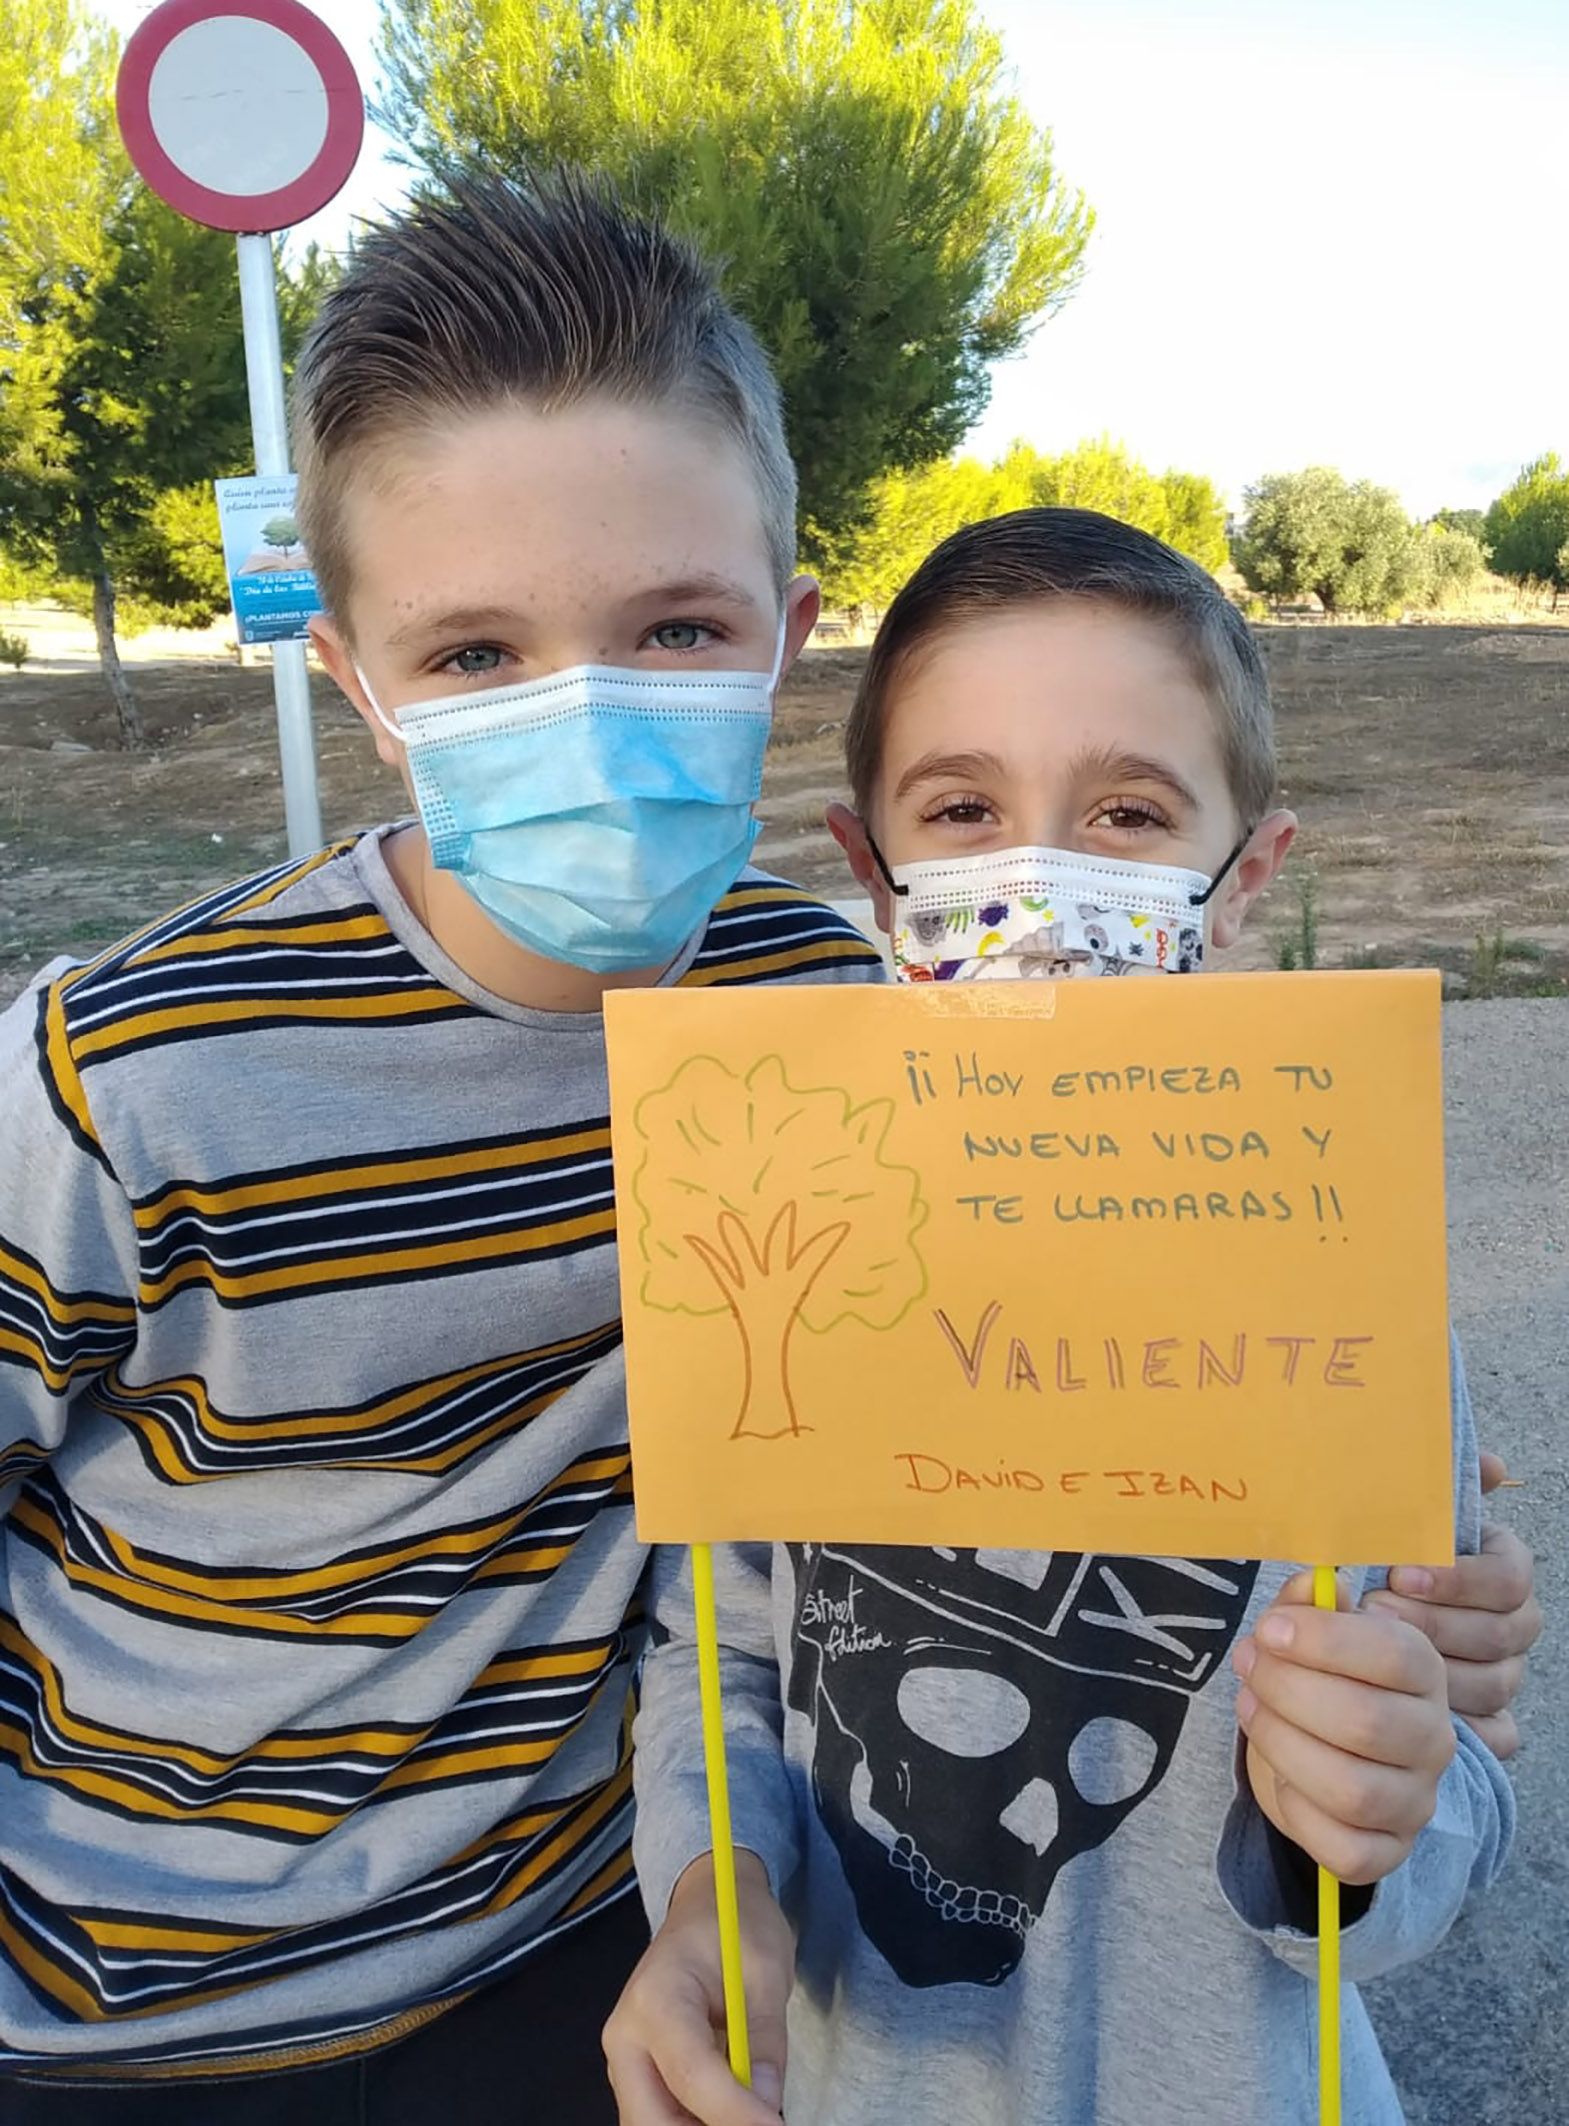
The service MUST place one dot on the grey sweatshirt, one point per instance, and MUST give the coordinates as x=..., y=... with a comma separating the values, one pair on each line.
x=1001, y=1795
x=319, y=1589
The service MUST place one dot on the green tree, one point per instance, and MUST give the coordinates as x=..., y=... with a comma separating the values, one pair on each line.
x=1527, y=528
x=120, y=353
x=1450, y=563
x=887, y=216
x=1196, y=519
x=909, y=513
x=281, y=532
x=1471, y=521
x=1348, y=542
x=1102, y=475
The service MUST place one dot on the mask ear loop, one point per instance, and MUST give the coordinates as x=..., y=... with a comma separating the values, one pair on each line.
x=376, y=710
x=899, y=892
x=1199, y=900
x=776, y=669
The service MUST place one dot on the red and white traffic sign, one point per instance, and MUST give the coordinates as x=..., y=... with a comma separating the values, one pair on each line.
x=242, y=114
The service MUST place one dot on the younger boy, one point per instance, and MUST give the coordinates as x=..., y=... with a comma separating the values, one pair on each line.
x=1048, y=1864
x=319, y=1589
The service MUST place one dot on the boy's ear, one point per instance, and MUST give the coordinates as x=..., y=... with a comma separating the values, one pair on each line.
x=803, y=603
x=1266, y=850
x=848, y=831
x=334, y=652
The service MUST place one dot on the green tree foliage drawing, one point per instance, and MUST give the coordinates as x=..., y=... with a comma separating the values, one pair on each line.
x=886, y=215
x=1528, y=527
x=281, y=533
x=778, y=1204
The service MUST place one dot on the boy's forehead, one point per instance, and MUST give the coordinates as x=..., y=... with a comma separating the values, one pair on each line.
x=589, y=502
x=1053, y=684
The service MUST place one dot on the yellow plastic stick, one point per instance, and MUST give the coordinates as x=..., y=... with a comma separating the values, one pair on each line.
x=1328, y=1938
x=719, y=1814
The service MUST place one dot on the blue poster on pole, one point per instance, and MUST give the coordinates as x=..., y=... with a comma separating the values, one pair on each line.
x=270, y=579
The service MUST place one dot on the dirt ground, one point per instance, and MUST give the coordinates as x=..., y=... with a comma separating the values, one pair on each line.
x=1430, y=766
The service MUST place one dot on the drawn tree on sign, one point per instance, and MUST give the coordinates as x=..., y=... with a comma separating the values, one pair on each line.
x=281, y=532
x=775, y=1202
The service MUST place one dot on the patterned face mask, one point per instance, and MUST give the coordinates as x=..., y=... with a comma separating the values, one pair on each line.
x=1047, y=914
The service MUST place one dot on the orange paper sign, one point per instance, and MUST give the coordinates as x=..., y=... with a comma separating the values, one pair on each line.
x=1145, y=1267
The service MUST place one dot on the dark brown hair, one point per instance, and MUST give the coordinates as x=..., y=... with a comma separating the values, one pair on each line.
x=545, y=292
x=1035, y=556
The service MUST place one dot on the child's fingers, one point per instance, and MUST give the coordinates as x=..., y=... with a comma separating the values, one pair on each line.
x=1356, y=1856
x=1497, y=1577
x=1381, y=1729
x=1366, y=1645
x=1362, y=1792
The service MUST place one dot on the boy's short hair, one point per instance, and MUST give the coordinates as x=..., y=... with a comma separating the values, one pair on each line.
x=1035, y=556
x=546, y=292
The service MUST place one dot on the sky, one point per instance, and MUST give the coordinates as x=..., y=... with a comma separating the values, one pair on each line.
x=1328, y=232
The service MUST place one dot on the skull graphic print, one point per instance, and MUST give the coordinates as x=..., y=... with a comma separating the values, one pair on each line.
x=983, y=1717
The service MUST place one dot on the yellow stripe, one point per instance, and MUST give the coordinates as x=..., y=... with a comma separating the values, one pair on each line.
x=394, y=1263
x=385, y=1173
x=268, y=894
x=825, y=952
x=232, y=939
x=57, y=1306
x=238, y=1010
x=377, y=1416
x=466, y=1543
x=50, y=1979
x=62, y=1062
x=53, y=1377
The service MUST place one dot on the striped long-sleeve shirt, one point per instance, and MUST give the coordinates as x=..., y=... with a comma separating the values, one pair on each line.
x=318, y=1587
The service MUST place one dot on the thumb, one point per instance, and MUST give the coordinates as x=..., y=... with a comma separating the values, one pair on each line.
x=767, y=2034
x=1494, y=1471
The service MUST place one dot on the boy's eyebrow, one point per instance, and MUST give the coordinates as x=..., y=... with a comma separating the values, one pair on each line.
x=461, y=620
x=1112, y=764
x=950, y=767
x=696, y=587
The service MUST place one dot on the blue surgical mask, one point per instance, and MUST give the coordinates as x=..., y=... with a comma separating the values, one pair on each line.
x=596, y=815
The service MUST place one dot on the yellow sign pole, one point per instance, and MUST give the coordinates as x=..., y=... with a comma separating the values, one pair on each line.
x=1328, y=1939
x=719, y=1813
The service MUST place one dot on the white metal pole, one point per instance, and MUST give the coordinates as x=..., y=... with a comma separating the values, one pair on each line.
x=270, y=432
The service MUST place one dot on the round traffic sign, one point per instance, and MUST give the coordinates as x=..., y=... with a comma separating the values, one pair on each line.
x=242, y=114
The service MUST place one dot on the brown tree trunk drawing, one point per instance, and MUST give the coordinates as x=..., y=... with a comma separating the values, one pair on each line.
x=765, y=1289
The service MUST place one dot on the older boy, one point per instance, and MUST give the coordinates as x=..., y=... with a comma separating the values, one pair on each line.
x=319, y=1588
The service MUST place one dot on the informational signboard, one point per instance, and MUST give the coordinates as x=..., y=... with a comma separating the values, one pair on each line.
x=1152, y=1267
x=270, y=581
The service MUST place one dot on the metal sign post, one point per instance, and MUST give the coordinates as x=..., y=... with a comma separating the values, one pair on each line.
x=247, y=115
x=291, y=686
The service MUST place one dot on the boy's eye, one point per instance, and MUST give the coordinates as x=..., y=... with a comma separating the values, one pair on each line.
x=960, y=812
x=1128, y=815
x=679, y=635
x=476, y=657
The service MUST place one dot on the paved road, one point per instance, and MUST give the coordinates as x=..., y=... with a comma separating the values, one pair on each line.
x=1479, y=2034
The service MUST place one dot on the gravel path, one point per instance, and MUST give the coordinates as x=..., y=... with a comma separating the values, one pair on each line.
x=1479, y=2034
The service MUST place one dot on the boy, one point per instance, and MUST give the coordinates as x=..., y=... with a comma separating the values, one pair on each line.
x=319, y=1582
x=1049, y=1865
x=318, y=1586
